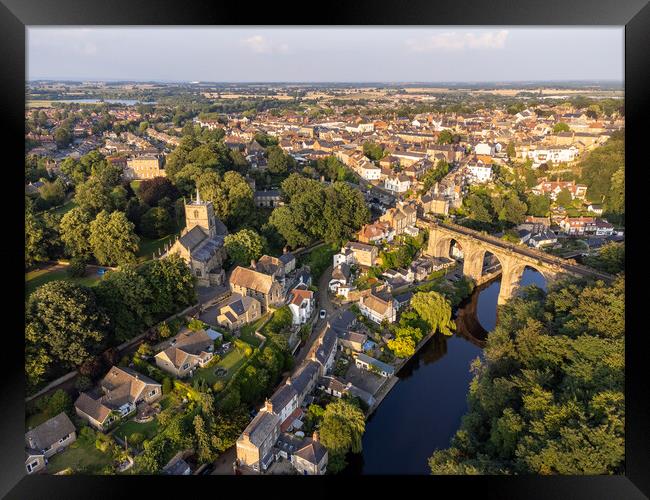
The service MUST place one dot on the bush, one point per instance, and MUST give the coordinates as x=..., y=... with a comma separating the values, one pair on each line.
x=59, y=401
x=103, y=442
x=167, y=385
x=196, y=324
x=218, y=386
x=83, y=383
x=136, y=438
x=164, y=331
x=77, y=268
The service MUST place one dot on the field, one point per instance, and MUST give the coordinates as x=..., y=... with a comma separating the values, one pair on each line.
x=39, y=277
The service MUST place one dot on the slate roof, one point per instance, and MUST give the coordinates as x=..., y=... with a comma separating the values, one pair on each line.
x=260, y=427
x=327, y=344
x=49, y=432
x=306, y=373
x=281, y=397
x=312, y=452
x=208, y=249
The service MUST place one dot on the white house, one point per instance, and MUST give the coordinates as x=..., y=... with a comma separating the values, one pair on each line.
x=555, y=155
x=369, y=171
x=378, y=309
x=301, y=304
x=479, y=172
x=399, y=183
x=484, y=148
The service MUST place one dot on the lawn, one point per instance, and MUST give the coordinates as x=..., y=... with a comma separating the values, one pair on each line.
x=247, y=333
x=149, y=247
x=81, y=456
x=39, y=277
x=36, y=419
x=231, y=362
x=147, y=429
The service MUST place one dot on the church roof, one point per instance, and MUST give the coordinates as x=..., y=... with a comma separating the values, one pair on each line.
x=193, y=238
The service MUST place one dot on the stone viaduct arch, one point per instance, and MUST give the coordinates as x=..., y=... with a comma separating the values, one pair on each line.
x=513, y=258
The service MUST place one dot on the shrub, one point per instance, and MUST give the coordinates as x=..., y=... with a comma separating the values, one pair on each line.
x=164, y=331
x=136, y=438
x=103, y=442
x=167, y=385
x=83, y=383
x=93, y=367
x=196, y=324
x=218, y=386
x=77, y=268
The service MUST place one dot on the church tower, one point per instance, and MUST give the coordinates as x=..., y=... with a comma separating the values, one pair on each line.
x=200, y=213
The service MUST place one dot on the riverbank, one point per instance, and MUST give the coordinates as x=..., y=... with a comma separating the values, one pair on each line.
x=391, y=381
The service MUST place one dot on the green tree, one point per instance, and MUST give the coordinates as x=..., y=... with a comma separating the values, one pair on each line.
x=278, y=162
x=172, y=284
x=244, y=246
x=112, y=239
x=62, y=136
x=402, y=347
x=125, y=298
x=75, y=233
x=551, y=387
x=561, y=127
x=52, y=193
x=564, y=198
x=35, y=246
x=231, y=196
x=342, y=428
x=63, y=318
x=445, y=137
x=93, y=196
x=538, y=205
x=156, y=223
x=433, y=308
x=610, y=258
x=373, y=151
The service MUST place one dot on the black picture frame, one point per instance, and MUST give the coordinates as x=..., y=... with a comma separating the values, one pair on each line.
x=15, y=15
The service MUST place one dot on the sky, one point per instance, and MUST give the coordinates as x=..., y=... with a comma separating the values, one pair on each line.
x=356, y=54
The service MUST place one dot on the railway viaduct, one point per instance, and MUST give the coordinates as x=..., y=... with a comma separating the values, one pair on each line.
x=512, y=257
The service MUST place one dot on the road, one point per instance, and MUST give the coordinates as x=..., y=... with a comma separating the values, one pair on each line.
x=318, y=328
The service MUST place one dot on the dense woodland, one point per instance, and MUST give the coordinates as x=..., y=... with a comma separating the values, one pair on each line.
x=548, y=397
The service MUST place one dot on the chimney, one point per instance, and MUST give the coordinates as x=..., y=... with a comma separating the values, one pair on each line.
x=268, y=406
x=253, y=264
x=315, y=437
x=285, y=250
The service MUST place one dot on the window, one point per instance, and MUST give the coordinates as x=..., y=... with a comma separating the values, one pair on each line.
x=153, y=392
x=185, y=366
x=32, y=466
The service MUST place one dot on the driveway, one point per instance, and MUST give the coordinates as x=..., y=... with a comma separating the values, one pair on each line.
x=223, y=465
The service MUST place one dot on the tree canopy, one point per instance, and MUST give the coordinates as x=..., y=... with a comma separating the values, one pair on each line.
x=548, y=399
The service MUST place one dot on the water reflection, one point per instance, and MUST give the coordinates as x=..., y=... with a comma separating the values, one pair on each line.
x=423, y=411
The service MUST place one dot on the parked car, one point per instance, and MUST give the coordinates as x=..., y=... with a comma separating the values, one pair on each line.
x=322, y=314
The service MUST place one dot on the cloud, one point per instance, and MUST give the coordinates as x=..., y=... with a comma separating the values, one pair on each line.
x=262, y=45
x=459, y=41
x=87, y=49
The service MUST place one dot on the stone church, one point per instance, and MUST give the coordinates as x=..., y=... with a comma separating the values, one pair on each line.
x=201, y=243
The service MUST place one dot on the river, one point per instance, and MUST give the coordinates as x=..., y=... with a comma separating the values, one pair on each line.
x=424, y=409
